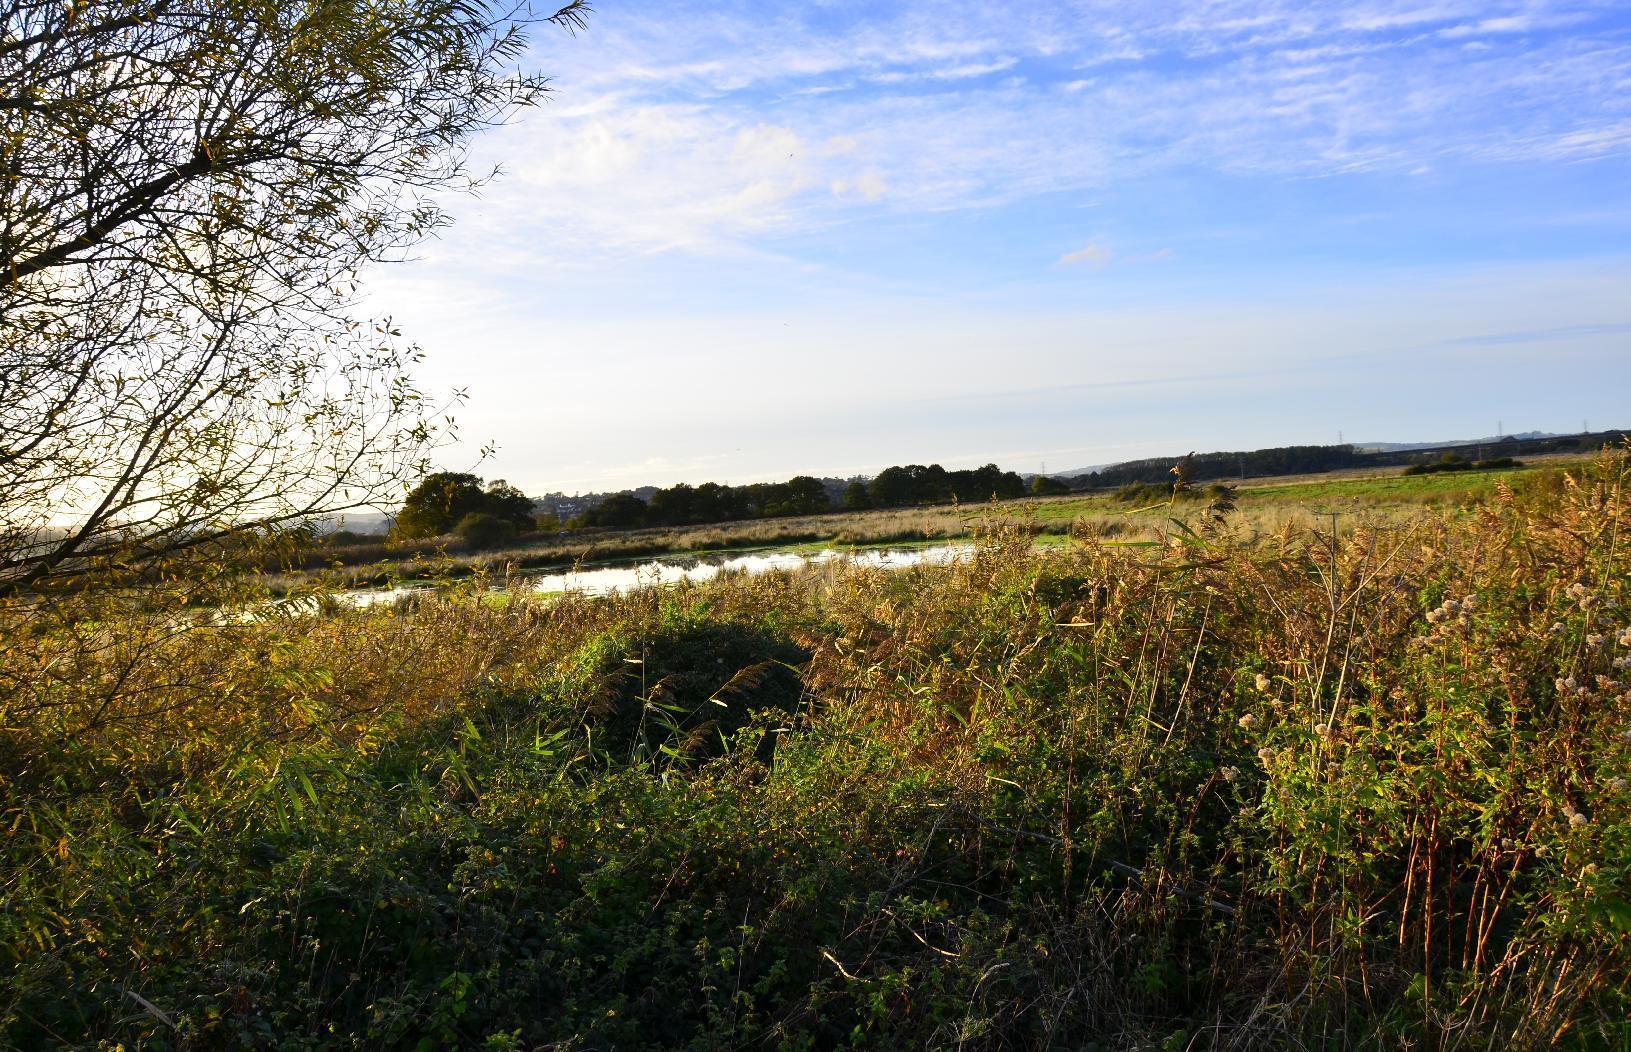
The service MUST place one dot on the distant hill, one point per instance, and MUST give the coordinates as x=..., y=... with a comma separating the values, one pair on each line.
x=1360, y=448
x=365, y=522
x=1400, y=447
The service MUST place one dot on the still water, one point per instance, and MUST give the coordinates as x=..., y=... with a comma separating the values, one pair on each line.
x=609, y=580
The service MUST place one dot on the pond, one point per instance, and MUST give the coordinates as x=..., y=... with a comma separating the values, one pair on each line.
x=626, y=577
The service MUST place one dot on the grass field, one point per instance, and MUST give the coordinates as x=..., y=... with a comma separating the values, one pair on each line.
x=1237, y=790
x=1316, y=492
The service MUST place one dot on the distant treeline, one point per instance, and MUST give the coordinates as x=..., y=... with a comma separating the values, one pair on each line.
x=687, y=505
x=447, y=502
x=915, y=484
x=895, y=487
x=1281, y=460
x=1310, y=460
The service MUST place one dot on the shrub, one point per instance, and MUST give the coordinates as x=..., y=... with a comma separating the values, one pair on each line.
x=1047, y=486
x=1451, y=462
x=1143, y=493
x=484, y=530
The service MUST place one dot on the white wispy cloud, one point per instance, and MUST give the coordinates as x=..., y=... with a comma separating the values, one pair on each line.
x=868, y=186
x=707, y=127
x=648, y=177
x=1526, y=22
x=973, y=69
x=1095, y=254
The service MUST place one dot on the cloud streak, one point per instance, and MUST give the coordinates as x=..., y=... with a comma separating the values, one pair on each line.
x=1095, y=254
x=946, y=108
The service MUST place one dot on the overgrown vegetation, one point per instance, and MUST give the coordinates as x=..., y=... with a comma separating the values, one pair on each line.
x=1367, y=789
x=1451, y=462
x=1148, y=493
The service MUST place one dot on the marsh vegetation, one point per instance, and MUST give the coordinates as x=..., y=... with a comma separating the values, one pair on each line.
x=1302, y=790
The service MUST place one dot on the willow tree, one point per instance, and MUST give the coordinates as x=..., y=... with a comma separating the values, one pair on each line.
x=188, y=189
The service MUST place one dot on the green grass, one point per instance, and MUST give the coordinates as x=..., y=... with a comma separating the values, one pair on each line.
x=1450, y=488
x=1416, y=490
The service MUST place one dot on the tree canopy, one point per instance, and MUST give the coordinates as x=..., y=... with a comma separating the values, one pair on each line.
x=901, y=486
x=192, y=187
x=917, y=484
x=443, y=500
x=1048, y=486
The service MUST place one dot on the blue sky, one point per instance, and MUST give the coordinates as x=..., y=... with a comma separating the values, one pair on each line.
x=750, y=240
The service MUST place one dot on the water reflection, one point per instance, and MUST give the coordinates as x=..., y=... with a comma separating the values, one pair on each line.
x=609, y=580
